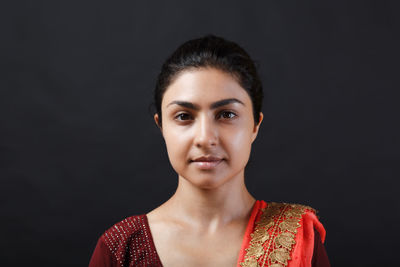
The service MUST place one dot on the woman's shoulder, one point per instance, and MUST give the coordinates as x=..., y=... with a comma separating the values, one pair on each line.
x=288, y=210
x=127, y=241
x=291, y=217
x=292, y=207
x=132, y=227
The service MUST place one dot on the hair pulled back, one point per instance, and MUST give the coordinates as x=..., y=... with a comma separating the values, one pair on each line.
x=211, y=52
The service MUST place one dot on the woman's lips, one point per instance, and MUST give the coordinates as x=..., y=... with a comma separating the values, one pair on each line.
x=207, y=163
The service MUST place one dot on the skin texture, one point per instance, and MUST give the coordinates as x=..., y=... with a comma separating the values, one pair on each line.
x=208, y=127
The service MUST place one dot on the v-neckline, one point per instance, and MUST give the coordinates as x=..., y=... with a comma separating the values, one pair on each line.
x=245, y=240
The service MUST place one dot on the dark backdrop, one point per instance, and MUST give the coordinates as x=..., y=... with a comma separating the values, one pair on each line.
x=79, y=150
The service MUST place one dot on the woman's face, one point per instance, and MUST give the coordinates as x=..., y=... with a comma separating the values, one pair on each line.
x=208, y=127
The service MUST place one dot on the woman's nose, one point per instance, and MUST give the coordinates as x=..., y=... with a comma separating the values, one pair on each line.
x=206, y=133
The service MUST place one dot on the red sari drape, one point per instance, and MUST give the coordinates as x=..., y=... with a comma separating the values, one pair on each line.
x=280, y=234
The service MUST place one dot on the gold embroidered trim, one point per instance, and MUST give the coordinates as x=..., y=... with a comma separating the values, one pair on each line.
x=274, y=235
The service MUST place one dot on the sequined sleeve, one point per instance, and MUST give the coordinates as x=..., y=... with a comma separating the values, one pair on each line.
x=101, y=256
x=127, y=243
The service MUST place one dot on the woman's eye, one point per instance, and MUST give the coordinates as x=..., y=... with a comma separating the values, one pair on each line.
x=183, y=117
x=227, y=115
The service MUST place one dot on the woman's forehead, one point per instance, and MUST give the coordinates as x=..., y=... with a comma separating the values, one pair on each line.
x=204, y=85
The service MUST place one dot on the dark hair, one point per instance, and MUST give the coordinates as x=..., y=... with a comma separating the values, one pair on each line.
x=213, y=52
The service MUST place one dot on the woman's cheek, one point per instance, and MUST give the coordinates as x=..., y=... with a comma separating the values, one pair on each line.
x=240, y=145
x=176, y=144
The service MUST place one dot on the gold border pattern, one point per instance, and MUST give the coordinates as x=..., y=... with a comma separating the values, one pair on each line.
x=273, y=237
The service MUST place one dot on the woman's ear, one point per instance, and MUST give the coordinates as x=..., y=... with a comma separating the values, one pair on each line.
x=157, y=121
x=257, y=127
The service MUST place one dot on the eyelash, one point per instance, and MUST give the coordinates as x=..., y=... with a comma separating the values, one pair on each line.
x=220, y=115
x=179, y=116
x=227, y=112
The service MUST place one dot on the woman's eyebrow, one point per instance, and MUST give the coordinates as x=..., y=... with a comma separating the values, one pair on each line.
x=214, y=105
x=225, y=102
x=184, y=104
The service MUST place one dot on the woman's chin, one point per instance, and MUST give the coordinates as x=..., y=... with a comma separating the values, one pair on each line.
x=206, y=182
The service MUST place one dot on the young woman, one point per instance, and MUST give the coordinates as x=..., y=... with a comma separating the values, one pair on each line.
x=208, y=107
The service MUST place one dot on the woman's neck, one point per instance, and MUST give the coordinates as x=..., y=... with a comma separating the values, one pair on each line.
x=210, y=209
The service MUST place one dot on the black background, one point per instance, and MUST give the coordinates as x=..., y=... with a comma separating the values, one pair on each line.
x=79, y=150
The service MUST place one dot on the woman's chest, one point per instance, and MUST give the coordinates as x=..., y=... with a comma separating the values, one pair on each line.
x=199, y=252
x=188, y=249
